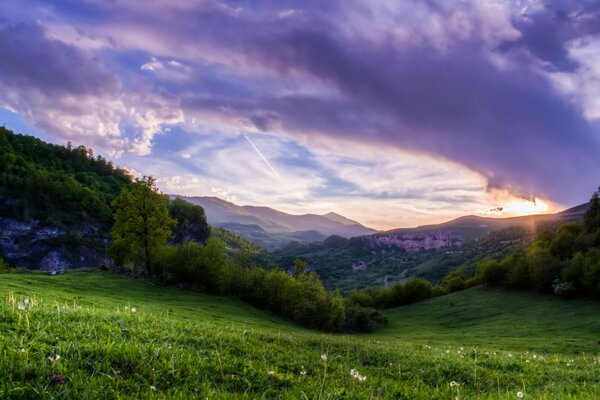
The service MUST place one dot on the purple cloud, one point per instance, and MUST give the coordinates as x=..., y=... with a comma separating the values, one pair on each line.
x=471, y=82
x=32, y=61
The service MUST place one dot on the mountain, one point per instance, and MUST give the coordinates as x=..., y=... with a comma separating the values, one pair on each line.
x=471, y=227
x=271, y=228
x=429, y=251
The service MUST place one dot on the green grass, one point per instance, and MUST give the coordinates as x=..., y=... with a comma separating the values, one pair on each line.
x=181, y=345
x=499, y=319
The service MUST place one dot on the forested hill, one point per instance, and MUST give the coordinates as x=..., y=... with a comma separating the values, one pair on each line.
x=55, y=205
x=56, y=185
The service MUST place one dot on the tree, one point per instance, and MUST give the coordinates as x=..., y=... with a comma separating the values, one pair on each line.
x=142, y=223
x=299, y=267
x=191, y=222
x=592, y=216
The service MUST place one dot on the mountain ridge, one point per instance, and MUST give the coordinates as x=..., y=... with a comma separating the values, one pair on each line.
x=272, y=228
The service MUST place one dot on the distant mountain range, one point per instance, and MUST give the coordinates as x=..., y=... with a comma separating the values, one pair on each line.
x=271, y=228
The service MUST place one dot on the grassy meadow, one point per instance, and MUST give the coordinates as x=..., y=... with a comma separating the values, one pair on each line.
x=99, y=335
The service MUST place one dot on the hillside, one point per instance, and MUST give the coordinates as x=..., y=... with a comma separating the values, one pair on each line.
x=56, y=206
x=506, y=320
x=55, y=203
x=429, y=251
x=271, y=228
x=98, y=335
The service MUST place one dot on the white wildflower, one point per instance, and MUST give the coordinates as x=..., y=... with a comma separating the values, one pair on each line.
x=520, y=395
x=454, y=384
x=324, y=356
x=54, y=358
x=133, y=309
x=21, y=306
x=303, y=371
x=153, y=388
x=26, y=302
x=271, y=372
x=355, y=374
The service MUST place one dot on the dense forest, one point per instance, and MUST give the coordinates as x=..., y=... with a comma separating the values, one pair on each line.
x=60, y=186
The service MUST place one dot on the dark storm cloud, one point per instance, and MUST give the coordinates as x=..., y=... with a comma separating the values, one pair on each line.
x=510, y=125
x=32, y=61
x=546, y=33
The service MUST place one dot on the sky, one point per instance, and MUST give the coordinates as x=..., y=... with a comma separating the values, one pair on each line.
x=393, y=113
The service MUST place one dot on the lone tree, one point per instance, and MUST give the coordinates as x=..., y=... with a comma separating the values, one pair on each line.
x=142, y=223
x=592, y=215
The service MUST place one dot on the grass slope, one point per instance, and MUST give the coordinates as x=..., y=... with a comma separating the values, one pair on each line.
x=182, y=345
x=499, y=320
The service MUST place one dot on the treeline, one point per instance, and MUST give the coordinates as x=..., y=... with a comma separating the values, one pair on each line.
x=141, y=233
x=300, y=297
x=60, y=186
x=565, y=261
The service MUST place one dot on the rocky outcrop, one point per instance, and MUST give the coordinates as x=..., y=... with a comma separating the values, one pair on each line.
x=30, y=244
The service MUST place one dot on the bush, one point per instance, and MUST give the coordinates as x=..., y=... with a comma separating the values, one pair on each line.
x=5, y=268
x=363, y=319
x=491, y=272
x=453, y=282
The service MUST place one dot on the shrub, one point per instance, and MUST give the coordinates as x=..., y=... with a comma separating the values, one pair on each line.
x=5, y=268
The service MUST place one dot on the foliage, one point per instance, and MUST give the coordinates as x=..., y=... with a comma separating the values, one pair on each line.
x=80, y=338
x=191, y=222
x=5, y=268
x=453, y=282
x=142, y=223
x=244, y=252
x=565, y=261
x=60, y=186
x=301, y=298
x=399, y=294
x=592, y=216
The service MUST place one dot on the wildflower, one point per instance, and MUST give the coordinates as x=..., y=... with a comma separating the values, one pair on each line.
x=354, y=373
x=324, y=356
x=454, y=384
x=271, y=372
x=520, y=395
x=26, y=302
x=54, y=358
x=21, y=306
x=153, y=388
x=303, y=371
x=133, y=309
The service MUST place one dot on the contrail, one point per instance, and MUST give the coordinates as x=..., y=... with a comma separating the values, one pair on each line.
x=261, y=156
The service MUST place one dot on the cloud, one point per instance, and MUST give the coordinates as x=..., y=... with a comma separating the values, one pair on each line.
x=67, y=91
x=501, y=94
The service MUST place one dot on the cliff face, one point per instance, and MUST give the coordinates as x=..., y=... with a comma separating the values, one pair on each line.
x=30, y=244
